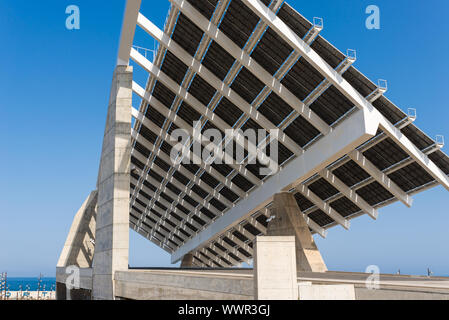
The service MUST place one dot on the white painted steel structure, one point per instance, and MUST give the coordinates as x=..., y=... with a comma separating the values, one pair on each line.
x=196, y=217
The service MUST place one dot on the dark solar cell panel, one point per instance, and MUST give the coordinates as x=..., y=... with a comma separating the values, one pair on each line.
x=242, y=182
x=374, y=193
x=441, y=160
x=188, y=114
x=350, y=173
x=155, y=116
x=190, y=201
x=207, y=212
x=224, y=169
x=163, y=94
x=136, y=162
x=272, y=51
x=143, y=204
x=328, y=52
x=166, y=198
x=385, y=154
x=174, y=67
x=217, y=204
x=166, y=148
x=148, y=134
x=210, y=180
x=320, y=218
x=206, y=7
x=254, y=168
x=417, y=137
x=251, y=124
x=181, y=178
x=283, y=153
x=247, y=85
x=303, y=202
x=239, y=236
x=149, y=186
x=411, y=177
x=218, y=60
x=198, y=220
x=331, y=105
x=162, y=164
x=228, y=112
x=228, y=194
x=323, y=189
x=251, y=229
x=199, y=191
x=201, y=90
x=193, y=168
x=388, y=110
x=156, y=176
x=344, y=206
x=173, y=188
x=144, y=194
x=294, y=20
x=160, y=205
x=239, y=22
x=359, y=82
x=302, y=79
x=187, y=34
x=262, y=219
x=301, y=131
x=275, y=109
x=144, y=151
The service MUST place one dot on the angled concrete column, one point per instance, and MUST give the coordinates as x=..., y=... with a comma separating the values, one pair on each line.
x=289, y=221
x=275, y=276
x=79, y=247
x=187, y=261
x=112, y=232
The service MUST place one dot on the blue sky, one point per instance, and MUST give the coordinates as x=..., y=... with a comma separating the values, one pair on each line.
x=54, y=92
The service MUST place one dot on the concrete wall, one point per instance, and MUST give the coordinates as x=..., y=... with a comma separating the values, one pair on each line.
x=237, y=284
x=182, y=285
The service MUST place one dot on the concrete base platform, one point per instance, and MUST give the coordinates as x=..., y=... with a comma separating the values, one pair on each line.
x=237, y=284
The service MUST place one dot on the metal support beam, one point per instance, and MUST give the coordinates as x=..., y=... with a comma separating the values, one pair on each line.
x=348, y=193
x=323, y=206
x=128, y=30
x=380, y=177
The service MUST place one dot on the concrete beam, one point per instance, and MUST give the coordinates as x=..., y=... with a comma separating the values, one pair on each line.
x=351, y=133
x=79, y=246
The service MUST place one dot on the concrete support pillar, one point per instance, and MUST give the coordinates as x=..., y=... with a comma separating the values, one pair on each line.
x=79, y=246
x=289, y=221
x=112, y=230
x=275, y=276
x=187, y=261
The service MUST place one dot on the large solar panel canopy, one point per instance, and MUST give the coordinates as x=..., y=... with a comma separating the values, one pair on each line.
x=344, y=149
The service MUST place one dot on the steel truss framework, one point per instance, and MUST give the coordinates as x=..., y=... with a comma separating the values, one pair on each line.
x=345, y=150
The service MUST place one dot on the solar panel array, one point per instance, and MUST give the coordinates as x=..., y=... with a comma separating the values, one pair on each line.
x=171, y=204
